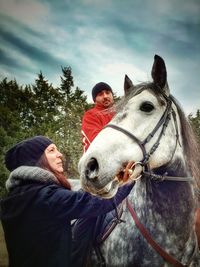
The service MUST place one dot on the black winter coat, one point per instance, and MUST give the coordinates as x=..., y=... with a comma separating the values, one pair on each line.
x=36, y=217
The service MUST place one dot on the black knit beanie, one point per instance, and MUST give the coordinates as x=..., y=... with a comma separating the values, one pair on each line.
x=27, y=152
x=100, y=87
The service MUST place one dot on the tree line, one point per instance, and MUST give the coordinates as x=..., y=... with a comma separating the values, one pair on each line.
x=41, y=109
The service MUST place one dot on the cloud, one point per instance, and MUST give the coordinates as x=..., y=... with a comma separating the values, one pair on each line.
x=7, y=60
x=103, y=40
x=29, y=12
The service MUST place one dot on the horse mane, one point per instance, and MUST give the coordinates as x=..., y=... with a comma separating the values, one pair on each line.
x=190, y=144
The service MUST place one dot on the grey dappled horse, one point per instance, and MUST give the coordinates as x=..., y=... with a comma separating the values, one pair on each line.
x=151, y=132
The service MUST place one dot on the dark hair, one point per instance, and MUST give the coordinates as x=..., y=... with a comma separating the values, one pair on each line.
x=62, y=179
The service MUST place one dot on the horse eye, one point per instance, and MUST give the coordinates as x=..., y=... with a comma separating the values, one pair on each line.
x=147, y=106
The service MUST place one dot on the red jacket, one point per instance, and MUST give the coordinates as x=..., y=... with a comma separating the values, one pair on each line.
x=93, y=122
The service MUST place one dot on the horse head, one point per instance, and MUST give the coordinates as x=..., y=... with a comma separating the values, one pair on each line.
x=145, y=134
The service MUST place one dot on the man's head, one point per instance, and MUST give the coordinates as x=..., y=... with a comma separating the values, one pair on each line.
x=102, y=95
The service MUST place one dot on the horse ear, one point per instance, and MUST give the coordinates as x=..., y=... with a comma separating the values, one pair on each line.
x=128, y=85
x=159, y=74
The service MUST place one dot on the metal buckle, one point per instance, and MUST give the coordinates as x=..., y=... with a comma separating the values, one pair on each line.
x=132, y=168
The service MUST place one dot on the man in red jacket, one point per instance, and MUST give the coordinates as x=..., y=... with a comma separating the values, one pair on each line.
x=96, y=118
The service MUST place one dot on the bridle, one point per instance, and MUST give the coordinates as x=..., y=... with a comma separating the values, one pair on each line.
x=162, y=123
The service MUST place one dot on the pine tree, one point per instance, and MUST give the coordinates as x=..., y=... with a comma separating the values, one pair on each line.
x=46, y=105
x=66, y=83
x=74, y=105
x=42, y=109
x=10, y=122
x=195, y=122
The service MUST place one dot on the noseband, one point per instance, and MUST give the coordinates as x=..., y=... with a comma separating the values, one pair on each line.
x=163, y=122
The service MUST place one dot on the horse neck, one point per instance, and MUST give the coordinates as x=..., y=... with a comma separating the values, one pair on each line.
x=164, y=200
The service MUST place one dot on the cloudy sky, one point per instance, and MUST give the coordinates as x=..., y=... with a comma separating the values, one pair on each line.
x=102, y=40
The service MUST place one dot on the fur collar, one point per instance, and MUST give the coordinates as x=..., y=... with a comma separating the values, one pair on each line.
x=26, y=173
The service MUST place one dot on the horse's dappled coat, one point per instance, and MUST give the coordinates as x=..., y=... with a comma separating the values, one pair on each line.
x=165, y=208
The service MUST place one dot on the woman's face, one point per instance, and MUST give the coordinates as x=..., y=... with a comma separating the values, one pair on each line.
x=54, y=158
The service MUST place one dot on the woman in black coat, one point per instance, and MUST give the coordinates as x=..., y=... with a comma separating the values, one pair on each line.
x=37, y=212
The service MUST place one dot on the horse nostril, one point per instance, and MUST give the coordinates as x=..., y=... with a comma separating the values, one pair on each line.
x=92, y=169
x=93, y=165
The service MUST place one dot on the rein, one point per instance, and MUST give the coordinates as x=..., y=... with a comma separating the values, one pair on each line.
x=161, y=178
x=151, y=241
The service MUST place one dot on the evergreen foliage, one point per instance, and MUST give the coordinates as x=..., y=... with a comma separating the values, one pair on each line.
x=41, y=109
x=195, y=122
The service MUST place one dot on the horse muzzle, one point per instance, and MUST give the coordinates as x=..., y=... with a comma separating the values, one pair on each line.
x=101, y=184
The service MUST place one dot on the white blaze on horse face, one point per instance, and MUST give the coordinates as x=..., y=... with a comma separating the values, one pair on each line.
x=112, y=148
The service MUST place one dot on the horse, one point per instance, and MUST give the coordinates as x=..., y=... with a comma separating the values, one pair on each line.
x=150, y=142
